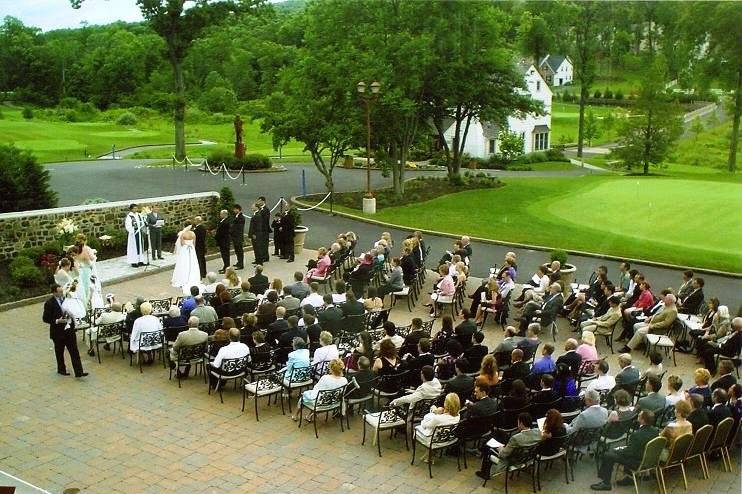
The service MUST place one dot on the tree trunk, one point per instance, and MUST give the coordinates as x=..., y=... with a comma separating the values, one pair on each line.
x=732, y=163
x=399, y=186
x=179, y=107
x=584, y=91
x=647, y=142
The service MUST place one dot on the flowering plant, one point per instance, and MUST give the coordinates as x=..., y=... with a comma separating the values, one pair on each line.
x=66, y=229
x=49, y=261
x=145, y=210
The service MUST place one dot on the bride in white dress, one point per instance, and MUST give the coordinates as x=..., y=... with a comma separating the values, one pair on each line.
x=186, y=273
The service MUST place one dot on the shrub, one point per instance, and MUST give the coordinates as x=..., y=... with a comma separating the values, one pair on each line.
x=538, y=157
x=25, y=182
x=597, y=94
x=255, y=161
x=618, y=95
x=556, y=154
x=126, y=118
x=69, y=102
x=27, y=113
x=218, y=99
x=511, y=146
x=416, y=154
x=24, y=273
x=70, y=115
x=559, y=255
x=118, y=240
x=608, y=94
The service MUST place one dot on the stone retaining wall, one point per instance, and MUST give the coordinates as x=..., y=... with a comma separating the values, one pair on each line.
x=24, y=229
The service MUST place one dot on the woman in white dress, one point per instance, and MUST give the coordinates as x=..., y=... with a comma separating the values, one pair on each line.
x=186, y=273
x=85, y=261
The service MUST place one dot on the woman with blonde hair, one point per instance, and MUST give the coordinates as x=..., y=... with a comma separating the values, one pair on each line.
x=677, y=427
x=231, y=280
x=448, y=414
x=332, y=380
x=701, y=378
x=488, y=373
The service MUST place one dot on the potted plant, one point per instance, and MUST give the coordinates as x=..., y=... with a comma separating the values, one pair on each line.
x=566, y=271
x=300, y=231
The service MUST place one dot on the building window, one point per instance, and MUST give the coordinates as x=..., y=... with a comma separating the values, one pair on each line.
x=492, y=146
x=538, y=85
x=541, y=141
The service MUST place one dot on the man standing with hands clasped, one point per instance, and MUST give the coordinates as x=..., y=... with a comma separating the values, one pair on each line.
x=265, y=221
x=222, y=240
x=200, y=230
x=62, y=332
x=237, y=231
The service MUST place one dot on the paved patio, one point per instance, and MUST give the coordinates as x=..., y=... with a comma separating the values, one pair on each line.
x=118, y=431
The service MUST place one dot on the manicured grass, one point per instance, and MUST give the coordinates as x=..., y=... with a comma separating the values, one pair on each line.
x=554, y=166
x=52, y=140
x=565, y=120
x=684, y=221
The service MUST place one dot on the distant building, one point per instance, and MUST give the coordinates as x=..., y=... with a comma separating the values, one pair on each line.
x=557, y=70
x=482, y=140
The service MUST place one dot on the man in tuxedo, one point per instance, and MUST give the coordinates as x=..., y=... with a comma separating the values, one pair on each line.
x=287, y=236
x=518, y=369
x=278, y=327
x=461, y=384
x=222, y=240
x=62, y=332
x=719, y=411
x=265, y=230
x=253, y=230
x=237, y=232
x=328, y=318
x=200, y=230
x=552, y=305
x=466, y=329
x=155, y=232
x=692, y=303
x=726, y=379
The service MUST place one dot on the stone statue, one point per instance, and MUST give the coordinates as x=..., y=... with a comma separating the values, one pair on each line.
x=239, y=145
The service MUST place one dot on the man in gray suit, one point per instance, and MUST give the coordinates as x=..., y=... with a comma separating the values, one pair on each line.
x=628, y=374
x=155, y=232
x=592, y=416
x=289, y=302
x=299, y=289
x=526, y=436
x=654, y=401
x=192, y=336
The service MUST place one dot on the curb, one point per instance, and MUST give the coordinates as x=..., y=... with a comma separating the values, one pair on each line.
x=297, y=200
x=273, y=169
x=144, y=146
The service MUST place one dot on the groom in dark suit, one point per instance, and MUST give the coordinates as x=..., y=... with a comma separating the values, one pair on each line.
x=222, y=239
x=62, y=336
x=200, y=230
x=237, y=230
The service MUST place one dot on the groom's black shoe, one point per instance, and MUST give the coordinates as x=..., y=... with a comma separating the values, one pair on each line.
x=135, y=265
x=140, y=264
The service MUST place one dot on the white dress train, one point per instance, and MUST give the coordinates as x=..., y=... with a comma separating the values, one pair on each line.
x=186, y=273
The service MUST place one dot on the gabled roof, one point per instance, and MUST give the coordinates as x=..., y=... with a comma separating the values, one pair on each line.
x=553, y=61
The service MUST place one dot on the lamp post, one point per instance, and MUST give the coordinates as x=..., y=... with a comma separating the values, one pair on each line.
x=369, y=202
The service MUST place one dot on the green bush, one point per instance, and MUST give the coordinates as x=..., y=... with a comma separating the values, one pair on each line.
x=25, y=181
x=218, y=99
x=618, y=95
x=126, y=118
x=597, y=94
x=33, y=253
x=24, y=273
x=559, y=255
x=556, y=154
x=416, y=154
x=27, y=113
x=252, y=161
x=118, y=238
x=608, y=94
x=538, y=157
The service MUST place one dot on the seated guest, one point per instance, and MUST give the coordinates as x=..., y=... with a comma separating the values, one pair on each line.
x=728, y=346
x=692, y=303
x=654, y=401
x=275, y=286
x=735, y=402
x=216, y=300
x=225, y=308
x=267, y=309
x=249, y=326
x=476, y=352
x=518, y=396
x=388, y=361
x=726, y=376
x=299, y=289
x=698, y=416
x=701, y=379
x=312, y=329
x=298, y=358
x=211, y=282
x=146, y=323
x=258, y=283
x=604, y=381
x=277, y=327
x=719, y=327
x=116, y=315
x=530, y=343
x=719, y=411
x=570, y=358
x=320, y=270
x=330, y=315
x=488, y=372
x=314, y=298
x=364, y=377
x=245, y=293
x=518, y=369
x=260, y=351
x=623, y=409
x=509, y=342
x=659, y=323
x=352, y=307
x=546, y=394
x=587, y=349
x=446, y=415
x=674, y=385
x=564, y=381
x=390, y=333
x=461, y=384
x=233, y=350
x=231, y=280
x=655, y=365
x=553, y=302
x=629, y=456
x=286, y=338
x=394, y=281
x=414, y=363
x=546, y=363
x=289, y=302
x=416, y=332
x=483, y=405
x=679, y=426
x=526, y=436
x=372, y=300
x=361, y=273
x=217, y=340
x=189, y=303
x=553, y=433
x=327, y=350
x=429, y=389
x=332, y=380
x=592, y=416
x=205, y=313
x=365, y=348
x=444, y=291
x=628, y=374
x=465, y=331
x=341, y=289
x=192, y=336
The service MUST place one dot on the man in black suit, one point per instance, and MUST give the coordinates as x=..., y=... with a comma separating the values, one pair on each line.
x=483, y=405
x=416, y=333
x=719, y=411
x=630, y=455
x=466, y=329
x=352, y=307
x=287, y=236
x=62, y=332
x=278, y=327
x=200, y=230
x=328, y=318
x=692, y=303
x=476, y=352
x=726, y=378
x=546, y=394
x=237, y=232
x=518, y=369
x=553, y=303
x=222, y=240
x=461, y=384
x=258, y=283
x=265, y=230
x=285, y=339
x=570, y=358
x=698, y=416
x=414, y=363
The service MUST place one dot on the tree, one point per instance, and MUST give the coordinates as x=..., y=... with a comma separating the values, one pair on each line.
x=534, y=36
x=179, y=27
x=585, y=48
x=653, y=126
x=511, y=145
x=24, y=182
x=697, y=129
x=592, y=128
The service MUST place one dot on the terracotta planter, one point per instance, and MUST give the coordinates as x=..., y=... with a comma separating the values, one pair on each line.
x=300, y=233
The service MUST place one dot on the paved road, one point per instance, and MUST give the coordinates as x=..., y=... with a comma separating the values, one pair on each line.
x=135, y=149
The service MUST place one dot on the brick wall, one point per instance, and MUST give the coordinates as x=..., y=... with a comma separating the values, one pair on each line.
x=24, y=229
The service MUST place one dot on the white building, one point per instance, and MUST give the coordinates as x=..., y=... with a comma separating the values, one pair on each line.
x=482, y=138
x=557, y=70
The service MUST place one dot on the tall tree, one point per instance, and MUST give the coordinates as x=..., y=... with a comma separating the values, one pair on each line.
x=179, y=26
x=534, y=36
x=654, y=125
x=584, y=57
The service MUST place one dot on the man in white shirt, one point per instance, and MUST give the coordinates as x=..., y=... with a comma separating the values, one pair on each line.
x=390, y=333
x=192, y=336
x=340, y=289
x=205, y=313
x=235, y=349
x=111, y=317
x=314, y=299
x=604, y=381
x=429, y=389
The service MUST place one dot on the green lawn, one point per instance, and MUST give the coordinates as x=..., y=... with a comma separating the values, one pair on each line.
x=52, y=140
x=709, y=148
x=689, y=221
x=565, y=119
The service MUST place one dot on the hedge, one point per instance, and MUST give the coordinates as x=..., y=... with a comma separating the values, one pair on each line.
x=253, y=161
